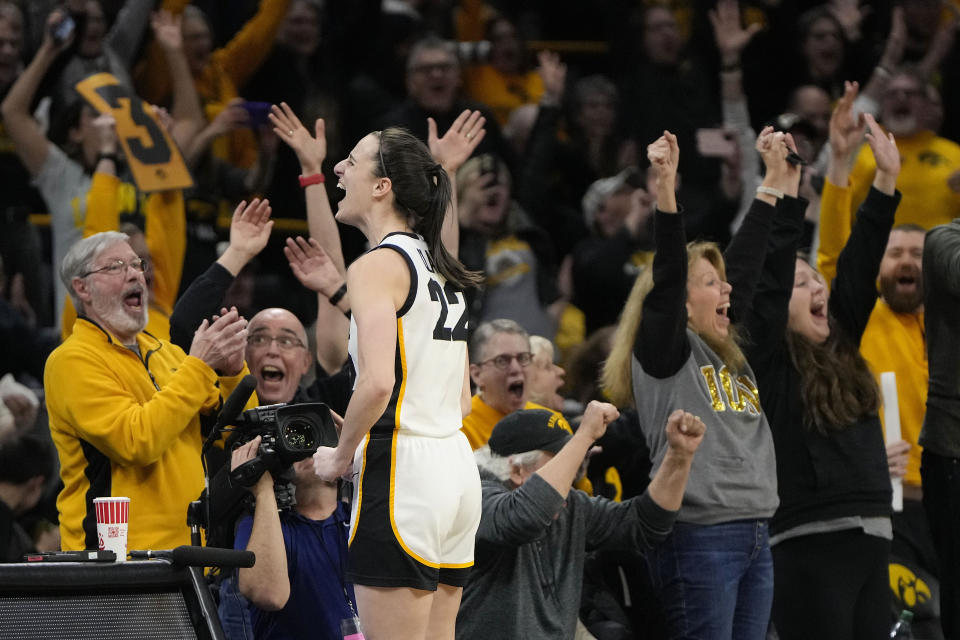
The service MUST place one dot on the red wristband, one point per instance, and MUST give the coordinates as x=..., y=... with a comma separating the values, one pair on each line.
x=317, y=178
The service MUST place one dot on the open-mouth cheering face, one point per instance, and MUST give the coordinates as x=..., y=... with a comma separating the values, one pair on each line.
x=501, y=375
x=808, y=304
x=708, y=301
x=115, y=292
x=901, y=275
x=277, y=354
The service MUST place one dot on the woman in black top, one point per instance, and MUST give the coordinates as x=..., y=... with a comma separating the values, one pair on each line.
x=831, y=534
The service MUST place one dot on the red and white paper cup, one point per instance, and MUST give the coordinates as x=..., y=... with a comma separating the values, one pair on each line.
x=113, y=517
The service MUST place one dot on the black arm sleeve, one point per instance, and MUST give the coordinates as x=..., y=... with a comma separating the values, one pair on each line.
x=661, y=344
x=854, y=290
x=744, y=257
x=766, y=320
x=202, y=299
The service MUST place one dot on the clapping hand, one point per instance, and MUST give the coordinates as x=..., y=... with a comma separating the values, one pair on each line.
x=221, y=342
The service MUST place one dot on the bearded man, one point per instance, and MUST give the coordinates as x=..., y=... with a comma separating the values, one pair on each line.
x=908, y=110
x=124, y=404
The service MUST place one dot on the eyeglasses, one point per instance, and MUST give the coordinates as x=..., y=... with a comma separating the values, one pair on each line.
x=439, y=67
x=503, y=360
x=119, y=266
x=285, y=343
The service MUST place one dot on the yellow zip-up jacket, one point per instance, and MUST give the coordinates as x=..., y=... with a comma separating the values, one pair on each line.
x=127, y=425
x=892, y=341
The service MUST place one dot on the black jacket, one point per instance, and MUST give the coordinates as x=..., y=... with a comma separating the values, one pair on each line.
x=843, y=473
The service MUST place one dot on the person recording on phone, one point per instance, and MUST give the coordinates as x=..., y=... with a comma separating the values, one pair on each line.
x=298, y=586
x=125, y=406
x=218, y=183
x=94, y=45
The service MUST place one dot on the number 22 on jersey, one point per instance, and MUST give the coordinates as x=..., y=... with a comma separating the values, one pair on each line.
x=451, y=301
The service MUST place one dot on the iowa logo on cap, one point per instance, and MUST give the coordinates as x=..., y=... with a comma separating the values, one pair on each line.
x=557, y=420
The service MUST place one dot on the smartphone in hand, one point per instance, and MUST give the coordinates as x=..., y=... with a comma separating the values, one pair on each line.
x=257, y=113
x=716, y=143
x=62, y=29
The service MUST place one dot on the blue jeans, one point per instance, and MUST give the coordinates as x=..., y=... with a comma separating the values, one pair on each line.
x=234, y=611
x=715, y=582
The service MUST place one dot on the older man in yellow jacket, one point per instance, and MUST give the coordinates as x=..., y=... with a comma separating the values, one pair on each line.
x=124, y=406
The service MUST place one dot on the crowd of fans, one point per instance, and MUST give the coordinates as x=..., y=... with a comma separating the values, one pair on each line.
x=804, y=149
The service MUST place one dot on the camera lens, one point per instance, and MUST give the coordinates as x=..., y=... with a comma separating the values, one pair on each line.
x=300, y=435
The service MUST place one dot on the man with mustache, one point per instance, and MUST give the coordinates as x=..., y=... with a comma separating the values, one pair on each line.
x=124, y=406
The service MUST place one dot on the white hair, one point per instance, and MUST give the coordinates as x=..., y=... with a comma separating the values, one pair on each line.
x=80, y=257
x=502, y=466
x=539, y=344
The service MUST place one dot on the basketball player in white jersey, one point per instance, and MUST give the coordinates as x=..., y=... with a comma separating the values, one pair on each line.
x=416, y=504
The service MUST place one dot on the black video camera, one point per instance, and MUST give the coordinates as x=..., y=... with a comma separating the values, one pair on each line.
x=289, y=433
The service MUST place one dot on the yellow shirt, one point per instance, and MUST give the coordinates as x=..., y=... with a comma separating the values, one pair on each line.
x=896, y=342
x=483, y=418
x=926, y=161
x=502, y=92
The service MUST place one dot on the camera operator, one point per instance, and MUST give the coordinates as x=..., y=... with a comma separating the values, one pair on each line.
x=301, y=556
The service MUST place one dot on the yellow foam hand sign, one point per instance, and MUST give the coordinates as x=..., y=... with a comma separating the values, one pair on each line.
x=151, y=153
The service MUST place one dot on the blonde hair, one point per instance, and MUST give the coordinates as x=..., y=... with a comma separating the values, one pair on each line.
x=617, y=376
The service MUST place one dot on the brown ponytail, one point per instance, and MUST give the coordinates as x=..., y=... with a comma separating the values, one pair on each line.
x=422, y=192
